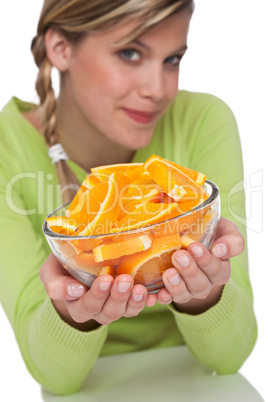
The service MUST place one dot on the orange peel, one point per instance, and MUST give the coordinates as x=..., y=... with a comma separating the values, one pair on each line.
x=160, y=251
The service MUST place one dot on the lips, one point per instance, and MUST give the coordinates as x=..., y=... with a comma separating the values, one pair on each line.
x=139, y=115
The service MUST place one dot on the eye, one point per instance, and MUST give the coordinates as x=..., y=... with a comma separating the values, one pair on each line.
x=174, y=60
x=130, y=54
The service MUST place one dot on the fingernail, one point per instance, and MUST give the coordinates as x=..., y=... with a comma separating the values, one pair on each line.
x=123, y=286
x=104, y=285
x=166, y=298
x=75, y=290
x=219, y=250
x=197, y=251
x=174, y=280
x=137, y=297
x=183, y=260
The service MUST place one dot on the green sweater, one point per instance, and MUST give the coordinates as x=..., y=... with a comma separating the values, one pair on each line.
x=198, y=131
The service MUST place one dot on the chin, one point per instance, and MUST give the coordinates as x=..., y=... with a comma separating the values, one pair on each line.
x=136, y=146
x=138, y=141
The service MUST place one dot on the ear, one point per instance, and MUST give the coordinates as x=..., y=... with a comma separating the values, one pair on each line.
x=58, y=49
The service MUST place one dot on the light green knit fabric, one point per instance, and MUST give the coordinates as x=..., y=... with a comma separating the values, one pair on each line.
x=198, y=131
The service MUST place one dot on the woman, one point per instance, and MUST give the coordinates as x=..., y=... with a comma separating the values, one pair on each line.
x=118, y=103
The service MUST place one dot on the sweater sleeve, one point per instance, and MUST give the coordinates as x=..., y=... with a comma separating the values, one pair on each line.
x=223, y=336
x=58, y=356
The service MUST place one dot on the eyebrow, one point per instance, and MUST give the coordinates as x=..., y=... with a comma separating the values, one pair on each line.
x=138, y=42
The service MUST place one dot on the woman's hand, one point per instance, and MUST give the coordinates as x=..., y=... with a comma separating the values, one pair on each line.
x=196, y=281
x=194, y=284
x=106, y=301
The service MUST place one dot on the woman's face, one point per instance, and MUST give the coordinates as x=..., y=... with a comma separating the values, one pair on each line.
x=122, y=91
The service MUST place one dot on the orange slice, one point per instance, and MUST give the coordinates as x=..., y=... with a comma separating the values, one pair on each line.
x=186, y=241
x=144, y=178
x=145, y=215
x=166, y=228
x=108, y=208
x=174, y=182
x=62, y=225
x=183, y=205
x=79, y=200
x=107, y=270
x=86, y=259
x=193, y=225
x=137, y=195
x=121, y=248
x=148, y=266
x=129, y=169
x=66, y=250
x=198, y=177
x=98, y=271
x=88, y=204
x=200, y=226
x=77, y=250
x=86, y=244
x=91, y=181
x=76, y=200
x=142, y=191
x=186, y=206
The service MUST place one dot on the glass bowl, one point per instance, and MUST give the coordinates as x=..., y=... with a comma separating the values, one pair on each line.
x=76, y=253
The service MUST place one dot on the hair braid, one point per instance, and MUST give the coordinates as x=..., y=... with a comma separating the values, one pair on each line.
x=68, y=180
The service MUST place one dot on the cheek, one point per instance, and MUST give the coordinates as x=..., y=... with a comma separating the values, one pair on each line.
x=172, y=84
x=103, y=78
x=114, y=85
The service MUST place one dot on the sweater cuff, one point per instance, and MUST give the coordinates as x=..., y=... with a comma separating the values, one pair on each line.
x=59, y=332
x=213, y=318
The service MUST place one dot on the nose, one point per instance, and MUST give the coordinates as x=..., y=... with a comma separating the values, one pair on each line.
x=152, y=83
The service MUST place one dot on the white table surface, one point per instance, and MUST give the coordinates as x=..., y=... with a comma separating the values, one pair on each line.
x=168, y=375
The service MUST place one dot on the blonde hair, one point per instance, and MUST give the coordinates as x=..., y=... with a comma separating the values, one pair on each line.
x=73, y=19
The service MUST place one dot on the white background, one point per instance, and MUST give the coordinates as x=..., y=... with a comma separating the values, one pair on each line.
x=226, y=57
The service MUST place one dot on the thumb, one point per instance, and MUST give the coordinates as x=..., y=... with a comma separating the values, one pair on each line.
x=230, y=242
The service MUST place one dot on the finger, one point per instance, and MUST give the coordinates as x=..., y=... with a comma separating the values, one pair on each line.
x=217, y=271
x=136, y=301
x=151, y=299
x=91, y=304
x=115, y=305
x=225, y=226
x=176, y=286
x=164, y=297
x=229, y=242
x=59, y=285
x=197, y=283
